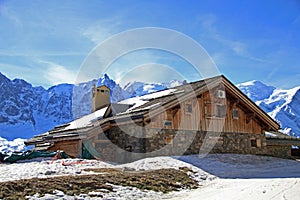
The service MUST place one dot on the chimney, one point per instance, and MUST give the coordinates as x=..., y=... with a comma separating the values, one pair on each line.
x=100, y=97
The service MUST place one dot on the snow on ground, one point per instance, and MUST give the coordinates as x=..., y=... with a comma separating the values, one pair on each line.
x=245, y=177
x=245, y=166
x=246, y=189
x=43, y=168
x=239, y=176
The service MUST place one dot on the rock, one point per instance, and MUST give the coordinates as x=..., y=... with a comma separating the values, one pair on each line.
x=49, y=172
x=58, y=193
x=203, y=177
x=82, y=196
x=128, y=169
x=95, y=194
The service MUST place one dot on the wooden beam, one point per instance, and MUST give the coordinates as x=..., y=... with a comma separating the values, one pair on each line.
x=175, y=110
x=249, y=116
x=234, y=102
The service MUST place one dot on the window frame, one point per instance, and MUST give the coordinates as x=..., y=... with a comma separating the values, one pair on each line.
x=221, y=110
x=234, y=112
x=167, y=123
x=253, y=143
x=215, y=110
x=188, y=108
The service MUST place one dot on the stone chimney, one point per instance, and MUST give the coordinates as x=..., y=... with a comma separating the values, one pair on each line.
x=100, y=97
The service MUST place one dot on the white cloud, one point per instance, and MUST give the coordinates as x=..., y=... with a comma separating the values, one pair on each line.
x=149, y=66
x=57, y=74
x=102, y=29
x=208, y=22
x=240, y=48
x=29, y=74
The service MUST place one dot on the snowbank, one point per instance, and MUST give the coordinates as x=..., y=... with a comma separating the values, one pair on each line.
x=221, y=176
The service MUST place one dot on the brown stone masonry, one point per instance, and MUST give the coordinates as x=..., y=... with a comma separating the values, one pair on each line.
x=128, y=143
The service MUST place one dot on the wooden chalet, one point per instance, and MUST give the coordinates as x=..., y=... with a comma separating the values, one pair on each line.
x=210, y=115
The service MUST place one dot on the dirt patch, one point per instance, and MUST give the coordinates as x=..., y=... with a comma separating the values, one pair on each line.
x=102, y=170
x=163, y=180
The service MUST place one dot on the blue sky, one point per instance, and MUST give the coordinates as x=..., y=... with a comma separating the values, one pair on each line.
x=46, y=42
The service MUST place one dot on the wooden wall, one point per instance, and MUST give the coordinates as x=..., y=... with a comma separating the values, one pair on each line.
x=71, y=147
x=206, y=115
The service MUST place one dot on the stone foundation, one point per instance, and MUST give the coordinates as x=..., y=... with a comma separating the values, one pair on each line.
x=280, y=151
x=128, y=143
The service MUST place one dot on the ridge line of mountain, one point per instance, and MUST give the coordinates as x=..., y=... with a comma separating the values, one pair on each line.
x=27, y=110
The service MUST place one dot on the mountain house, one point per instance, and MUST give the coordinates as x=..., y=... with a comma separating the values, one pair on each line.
x=210, y=115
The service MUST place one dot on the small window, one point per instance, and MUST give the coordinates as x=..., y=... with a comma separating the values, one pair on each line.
x=169, y=139
x=221, y=111
x=221, y=94
x=102, y=91
x=235, y=113
x=253, y=143
x=188, y=108
x=167, y=123
x=215, y=110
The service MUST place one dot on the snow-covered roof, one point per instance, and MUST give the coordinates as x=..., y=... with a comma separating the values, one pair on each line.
x=84, y=121
x=141, y=100
x=279, y=135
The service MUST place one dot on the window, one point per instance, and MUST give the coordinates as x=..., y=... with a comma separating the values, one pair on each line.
x=215, y=110
x=169, y=139
x=253, y=142
x=102, y=91
x=221, y=111
x=235, y=113
x=167, y=123
x=221, y=94
x=188, y=108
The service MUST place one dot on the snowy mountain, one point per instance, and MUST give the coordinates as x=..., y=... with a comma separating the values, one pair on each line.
x=256, y=90
x=12, y=146
x=26, y=110
x=282, y=105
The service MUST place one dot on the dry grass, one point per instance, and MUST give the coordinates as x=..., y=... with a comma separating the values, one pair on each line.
x=164, y=180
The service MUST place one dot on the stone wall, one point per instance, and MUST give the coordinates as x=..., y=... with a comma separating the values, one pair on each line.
x=281, y=151
x=131, y=142
x=191, y=142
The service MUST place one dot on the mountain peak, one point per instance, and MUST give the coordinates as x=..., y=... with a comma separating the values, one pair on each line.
x=105, y=80
x=105, y=76
x=3, y=78
x=256, y=90
x=253, y=83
